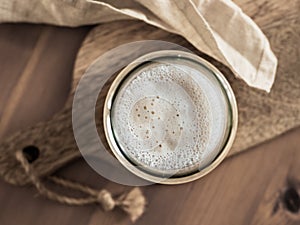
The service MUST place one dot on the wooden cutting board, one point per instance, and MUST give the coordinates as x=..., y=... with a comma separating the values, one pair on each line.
x=261, y=116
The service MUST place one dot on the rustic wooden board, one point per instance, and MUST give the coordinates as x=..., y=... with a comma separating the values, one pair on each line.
x=261, y=116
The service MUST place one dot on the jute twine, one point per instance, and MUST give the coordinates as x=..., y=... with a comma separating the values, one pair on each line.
x=132, y=202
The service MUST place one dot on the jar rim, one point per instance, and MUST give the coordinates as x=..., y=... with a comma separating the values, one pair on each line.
x=119, y=154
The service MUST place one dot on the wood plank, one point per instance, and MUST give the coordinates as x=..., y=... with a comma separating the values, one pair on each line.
x=234, y=193
x=261, y=116
x=249, y=188
x=42, y=55
x=14, y=52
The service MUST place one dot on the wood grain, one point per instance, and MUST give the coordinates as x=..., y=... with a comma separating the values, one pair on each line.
x=246, y=189
x=17, y=47
x=261, y=116
x=238, y=192
x=54, y=70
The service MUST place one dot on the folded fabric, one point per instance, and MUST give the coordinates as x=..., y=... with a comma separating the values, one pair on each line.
x=218, y=28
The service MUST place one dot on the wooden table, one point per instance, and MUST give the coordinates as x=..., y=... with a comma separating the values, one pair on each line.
x=260, y=186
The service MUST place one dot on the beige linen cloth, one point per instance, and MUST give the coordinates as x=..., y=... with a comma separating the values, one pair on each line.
x=218, y=28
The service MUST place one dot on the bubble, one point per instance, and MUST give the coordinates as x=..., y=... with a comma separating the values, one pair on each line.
x=171, y=116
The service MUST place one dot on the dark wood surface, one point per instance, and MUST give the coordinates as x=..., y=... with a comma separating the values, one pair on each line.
x=262, y=116
x=255, y=187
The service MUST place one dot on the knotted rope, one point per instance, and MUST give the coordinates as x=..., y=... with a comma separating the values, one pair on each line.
x=132, y=202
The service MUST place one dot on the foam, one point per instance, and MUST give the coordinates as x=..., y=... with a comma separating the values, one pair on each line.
x=169, y=116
